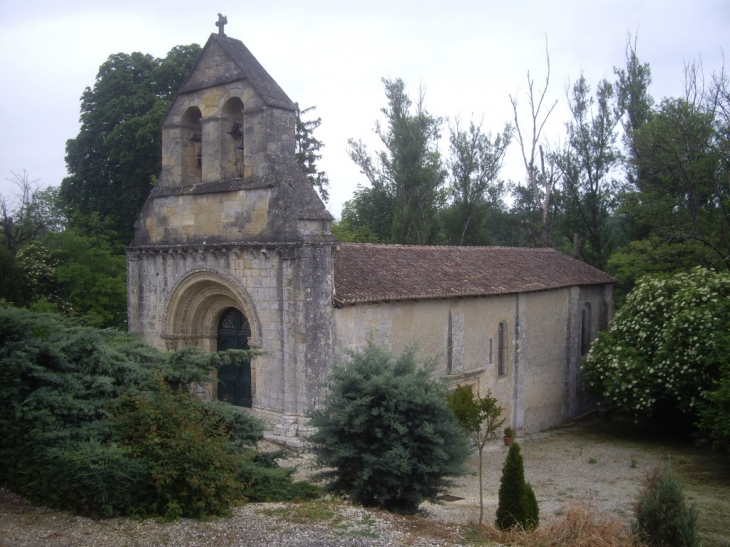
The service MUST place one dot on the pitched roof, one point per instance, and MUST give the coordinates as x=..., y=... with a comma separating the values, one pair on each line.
x=367, y=272
x=246, y=66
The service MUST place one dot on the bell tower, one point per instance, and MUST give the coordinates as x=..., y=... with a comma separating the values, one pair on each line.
x=234, y=223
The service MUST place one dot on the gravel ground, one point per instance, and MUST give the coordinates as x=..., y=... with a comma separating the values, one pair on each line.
x=563, y=465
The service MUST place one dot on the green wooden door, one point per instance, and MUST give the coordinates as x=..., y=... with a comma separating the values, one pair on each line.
x=235, y=379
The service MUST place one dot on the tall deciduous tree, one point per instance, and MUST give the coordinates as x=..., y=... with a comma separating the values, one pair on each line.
x=115, y=159
x=408, y=173
x=541, y=178
x=586, y=165
x=474, y=165
x=307, y=148
x=681, y=202
x=635, y=103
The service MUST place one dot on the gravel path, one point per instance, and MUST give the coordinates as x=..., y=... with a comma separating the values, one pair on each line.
x=563, y=465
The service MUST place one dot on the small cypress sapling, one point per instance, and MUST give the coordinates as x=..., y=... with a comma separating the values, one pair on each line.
x=663, y=518
x=517, y=502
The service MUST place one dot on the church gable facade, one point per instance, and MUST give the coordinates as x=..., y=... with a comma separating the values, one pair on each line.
x=233, y=250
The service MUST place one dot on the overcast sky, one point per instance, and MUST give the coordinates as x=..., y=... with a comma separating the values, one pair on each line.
x=469, y=55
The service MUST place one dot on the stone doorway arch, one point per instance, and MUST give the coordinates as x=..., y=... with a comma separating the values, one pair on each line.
x=195, y=305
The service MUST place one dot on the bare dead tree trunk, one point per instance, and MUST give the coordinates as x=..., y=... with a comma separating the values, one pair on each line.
x=542, y=181
x=463, y=232
x=17, y=219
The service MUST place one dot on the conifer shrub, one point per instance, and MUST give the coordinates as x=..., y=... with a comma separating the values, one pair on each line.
x=517, y=502
x=663, y=518
x=385, y=431
x=96, y=422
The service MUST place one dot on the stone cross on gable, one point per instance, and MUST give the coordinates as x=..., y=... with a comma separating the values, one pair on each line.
x=221, y=23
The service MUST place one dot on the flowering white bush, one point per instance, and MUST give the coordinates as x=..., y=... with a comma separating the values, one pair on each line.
x=665, y=344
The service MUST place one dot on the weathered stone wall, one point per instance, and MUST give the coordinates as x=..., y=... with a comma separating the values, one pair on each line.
x=178, y=294
x=474, y=322
x=540, y=385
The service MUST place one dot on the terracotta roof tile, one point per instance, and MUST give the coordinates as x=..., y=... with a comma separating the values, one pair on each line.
x=367, y=272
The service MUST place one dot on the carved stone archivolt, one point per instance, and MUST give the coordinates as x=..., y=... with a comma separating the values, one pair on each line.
x=195, y=304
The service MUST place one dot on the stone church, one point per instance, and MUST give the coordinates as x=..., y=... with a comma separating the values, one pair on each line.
x=233, y=250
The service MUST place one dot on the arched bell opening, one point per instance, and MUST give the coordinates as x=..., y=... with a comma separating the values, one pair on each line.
x=234, y=378
x=191, y=146
x=233, y=156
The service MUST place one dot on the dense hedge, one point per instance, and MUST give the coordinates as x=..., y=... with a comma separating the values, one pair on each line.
x=97, y=422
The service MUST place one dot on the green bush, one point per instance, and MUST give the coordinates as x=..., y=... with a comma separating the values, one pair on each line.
x=386, y=432
x=266, y=481
x=663, y=518
x=517, y=501
x=667, y=346
x=184, y=443
x=97, y=422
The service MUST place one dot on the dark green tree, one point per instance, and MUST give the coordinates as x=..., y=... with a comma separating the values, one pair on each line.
x=681, y=203
x=517, y=502
x=369, y=215
x=636, y=105
x=84, y=275
x=474, y=189
x=13, y=287
x=586, y=164
x=408, y=174
x=480, y=418
x=344, y=232
x=307, y=148
x=385, y=431
x=115, y=159
x=677, y=213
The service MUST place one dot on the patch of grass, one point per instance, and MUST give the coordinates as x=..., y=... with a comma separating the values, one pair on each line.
x=592, y=460
x=704, y=474
x=304, y=512
x=633, y=463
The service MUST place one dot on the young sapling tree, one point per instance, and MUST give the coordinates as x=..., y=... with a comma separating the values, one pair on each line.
x=480, y=417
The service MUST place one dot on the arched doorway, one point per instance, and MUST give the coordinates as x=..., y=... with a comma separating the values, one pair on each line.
x=235, y=379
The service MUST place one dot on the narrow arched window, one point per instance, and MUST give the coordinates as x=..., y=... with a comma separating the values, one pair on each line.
x=501, y=349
